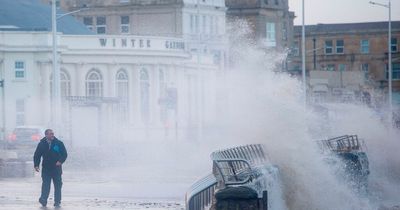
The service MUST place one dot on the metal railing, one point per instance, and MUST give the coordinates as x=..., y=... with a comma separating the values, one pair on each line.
x=346, y=143
x=200, y=194
x=233, y=171
x=92, y=100
x=253, y=153
x=234, y=166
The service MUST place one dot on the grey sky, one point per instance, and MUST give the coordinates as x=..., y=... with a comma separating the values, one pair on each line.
x=343, y=11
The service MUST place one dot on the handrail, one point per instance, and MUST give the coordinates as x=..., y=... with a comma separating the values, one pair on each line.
x=236, y=171
x=231, y=167
x=205, y=185
x=253, y=153
x=346, y=143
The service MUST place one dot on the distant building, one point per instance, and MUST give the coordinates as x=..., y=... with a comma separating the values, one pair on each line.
x=144, y=87
x=270, y=21
x=349, y=56
x=201, y=23
x=30, y=15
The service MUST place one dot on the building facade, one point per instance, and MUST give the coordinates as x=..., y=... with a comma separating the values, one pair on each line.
x=350, y=56
x=134, y=86
x=201, y=23
x=270, y=21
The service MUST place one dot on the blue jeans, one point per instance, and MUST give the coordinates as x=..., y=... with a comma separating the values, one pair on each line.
x=46, y=181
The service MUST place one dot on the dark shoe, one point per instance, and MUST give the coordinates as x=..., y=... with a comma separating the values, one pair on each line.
x=57, y=205
x=43, y=202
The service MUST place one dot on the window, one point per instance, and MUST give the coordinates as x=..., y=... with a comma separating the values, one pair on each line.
x=20, y=112
x=339, y=46
x=57, y=3
x=395, y=71
x=101, y=25
x=342, y=67
x=65, y=84
x=19, y=69
x=330, y=67
x=88, y=21
x=122, y=92
x=276, y=2
x=284, y=31
x=394, y=45
x=295, y=49
x=270, y=35
x=365, y=46
x=328, y=47
x=144, y=95
x=94, y=84
x=265, y=1
x=124, y=24
x=365, y=67
x=365, y=70
x=122, y=84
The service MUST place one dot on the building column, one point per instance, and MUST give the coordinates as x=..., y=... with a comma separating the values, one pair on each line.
x=46, y=70
x=135, y=95
x=155, y=105
x=80, y=81
x=180, y=78
x=109, y=82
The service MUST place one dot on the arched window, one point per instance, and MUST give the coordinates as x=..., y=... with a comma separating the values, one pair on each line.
x=145, y=95
x=65, y=84
x=122, y=93
x=94, y=84
x=122, y=84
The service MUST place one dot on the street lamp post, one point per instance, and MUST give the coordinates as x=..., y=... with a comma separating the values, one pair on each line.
x=303, y=57
x=200, y=76
x=56, y=97
x=56, y=85
x=389, y=7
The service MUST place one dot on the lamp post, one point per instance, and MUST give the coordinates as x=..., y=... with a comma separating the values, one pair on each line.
x=389, y=7
x=303, y=56
x=56, y=97
x=200, y=76
x=56, y=86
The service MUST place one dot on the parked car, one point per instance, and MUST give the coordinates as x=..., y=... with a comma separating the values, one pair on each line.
x=25, y=137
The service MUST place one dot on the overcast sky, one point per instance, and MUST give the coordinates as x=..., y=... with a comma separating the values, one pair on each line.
x=342, y=11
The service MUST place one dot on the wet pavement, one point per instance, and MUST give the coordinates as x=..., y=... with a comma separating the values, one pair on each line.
x=83, y=193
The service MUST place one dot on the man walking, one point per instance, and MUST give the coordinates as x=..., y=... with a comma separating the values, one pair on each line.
x=54, y=155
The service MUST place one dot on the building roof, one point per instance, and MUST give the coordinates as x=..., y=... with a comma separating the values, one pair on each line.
x=32, y=15
x=348, y=27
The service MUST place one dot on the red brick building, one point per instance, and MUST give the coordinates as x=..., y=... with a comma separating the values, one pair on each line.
x=349, y=56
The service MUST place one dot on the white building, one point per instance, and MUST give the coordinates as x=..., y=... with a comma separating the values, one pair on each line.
x=138, y=87
x=200, y=22
x=109, y=84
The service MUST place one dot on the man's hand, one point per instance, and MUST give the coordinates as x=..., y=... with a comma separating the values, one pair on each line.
x=58, y=163
x=37, y=169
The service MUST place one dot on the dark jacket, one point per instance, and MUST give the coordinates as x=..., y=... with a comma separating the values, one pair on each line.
x=56, y=152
